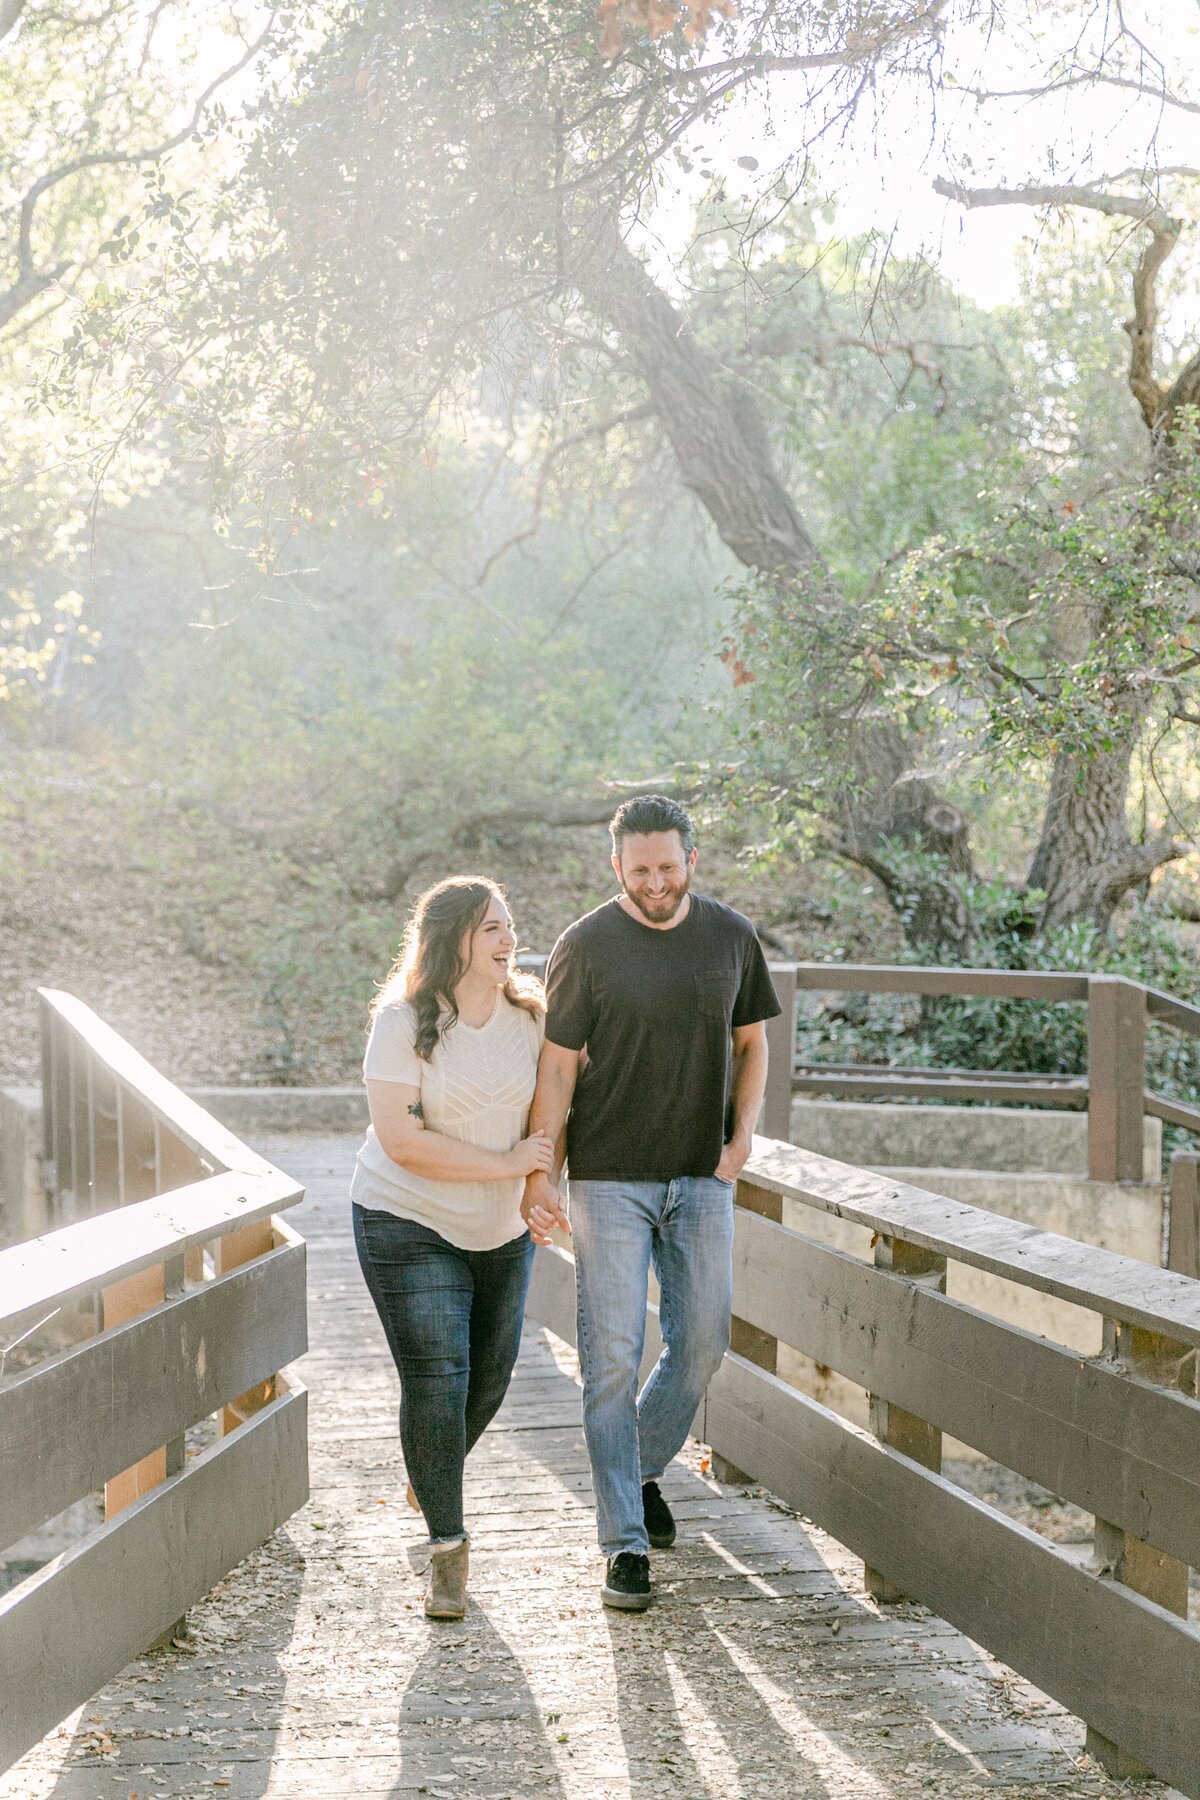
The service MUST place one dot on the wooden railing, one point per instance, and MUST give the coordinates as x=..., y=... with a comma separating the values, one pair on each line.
x=169, y=1294
x=1113, y=1092
x=1116, y=1434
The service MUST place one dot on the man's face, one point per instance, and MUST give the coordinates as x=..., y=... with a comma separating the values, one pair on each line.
x=655, y=872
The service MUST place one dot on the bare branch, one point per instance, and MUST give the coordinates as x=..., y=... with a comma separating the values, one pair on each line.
x=573, y=812
x=1086, y=78
x=1141, y=207
x=600, y=429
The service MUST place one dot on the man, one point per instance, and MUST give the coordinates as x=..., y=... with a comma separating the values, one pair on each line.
x=668, y=993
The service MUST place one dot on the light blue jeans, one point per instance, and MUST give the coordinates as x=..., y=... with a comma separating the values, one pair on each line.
x=684, y=1228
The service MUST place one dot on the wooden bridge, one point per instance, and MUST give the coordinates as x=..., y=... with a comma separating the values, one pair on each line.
x=838, y=1619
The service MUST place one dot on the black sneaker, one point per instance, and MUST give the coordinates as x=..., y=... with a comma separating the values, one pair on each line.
x=660, y=1526
x=627, y=1582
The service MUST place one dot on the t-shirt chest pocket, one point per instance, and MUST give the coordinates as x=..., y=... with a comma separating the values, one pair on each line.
x=715, y=991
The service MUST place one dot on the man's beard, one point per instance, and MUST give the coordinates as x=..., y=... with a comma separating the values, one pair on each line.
x=660, y=912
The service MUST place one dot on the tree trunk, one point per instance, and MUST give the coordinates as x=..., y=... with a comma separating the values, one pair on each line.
x=1086, y=860
x=725, y=460
x=721, y=448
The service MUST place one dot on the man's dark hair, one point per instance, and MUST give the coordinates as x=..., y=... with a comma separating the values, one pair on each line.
x=650, y=812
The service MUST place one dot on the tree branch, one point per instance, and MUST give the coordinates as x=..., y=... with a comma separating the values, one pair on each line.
x=10, y=12
x=1145, y=388
x=575, y=811
x=1139, y=862
x=601, y=428
x=1144, y=210
x=32, y=281
x=1086, y=78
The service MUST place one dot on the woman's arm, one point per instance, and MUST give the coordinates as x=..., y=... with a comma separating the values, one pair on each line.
x=400, y=1128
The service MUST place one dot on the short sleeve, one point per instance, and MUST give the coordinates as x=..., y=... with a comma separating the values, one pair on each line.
x=570, y=1013
x=756, y=996
x=390, y=1053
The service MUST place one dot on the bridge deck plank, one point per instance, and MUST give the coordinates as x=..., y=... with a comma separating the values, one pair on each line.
x=763, y=1669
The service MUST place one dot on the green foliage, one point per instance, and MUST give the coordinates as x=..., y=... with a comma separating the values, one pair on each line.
x=1047, y=630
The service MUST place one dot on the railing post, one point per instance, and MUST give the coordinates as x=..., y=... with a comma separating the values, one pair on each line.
x=1183, y=1235
x=135, y=1173
x=781, y=1048
x=229, y=1252
x=758, y=1347
x=1116, y=1078
x=121, y=1301
x=893, y=1425
x=1128, y=1559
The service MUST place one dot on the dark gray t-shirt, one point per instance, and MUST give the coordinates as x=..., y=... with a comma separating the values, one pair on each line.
x=654, y=1010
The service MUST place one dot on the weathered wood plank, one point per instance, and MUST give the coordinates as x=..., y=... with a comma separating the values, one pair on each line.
x=1116, y=1286
x=1073, y=1633
x=125, y=1300
x=1004, y=984
x=189, y=1121
x=38, y=1276
x=1183, y=1247
x=902, y=1427
x=1126, y=1557
x=143, y=1570
x=1171, y=1112
x=71, y=1423
x=1122, y=1448
x=1116, y=1045
x=231, y=1252
x=781, y=1046
x=865, y=1082
x=1180, y=1013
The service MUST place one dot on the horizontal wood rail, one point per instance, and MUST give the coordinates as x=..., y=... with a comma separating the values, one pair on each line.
x=1114, y=1433
x=169, y=1293
x=858, y=1082
x=1113, y=1092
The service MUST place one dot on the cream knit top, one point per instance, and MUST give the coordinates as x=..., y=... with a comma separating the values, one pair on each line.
x=477, y=1086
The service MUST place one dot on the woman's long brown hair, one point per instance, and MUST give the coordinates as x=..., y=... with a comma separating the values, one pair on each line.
x=431, y=964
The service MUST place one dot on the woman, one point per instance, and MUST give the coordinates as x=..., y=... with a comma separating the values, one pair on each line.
x=450, y=1069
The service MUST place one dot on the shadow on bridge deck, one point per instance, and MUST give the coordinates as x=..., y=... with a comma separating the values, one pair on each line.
x=763, y=1669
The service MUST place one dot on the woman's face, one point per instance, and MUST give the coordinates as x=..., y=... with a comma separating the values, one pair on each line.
x=487, y=951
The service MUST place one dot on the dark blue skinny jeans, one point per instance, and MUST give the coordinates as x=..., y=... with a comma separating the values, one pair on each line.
x=453, y=1323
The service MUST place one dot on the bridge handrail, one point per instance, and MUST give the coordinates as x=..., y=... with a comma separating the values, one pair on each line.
x=1117, y=1287
x=1113, y=1092
x=1115, y=1433
x=77, y=1260
x=167, y=1293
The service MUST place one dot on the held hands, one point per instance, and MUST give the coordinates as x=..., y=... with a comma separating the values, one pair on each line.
x=733, y=1156
x=542, y=1208
x=534, y=1153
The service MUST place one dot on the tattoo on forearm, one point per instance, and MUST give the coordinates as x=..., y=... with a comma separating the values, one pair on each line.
x=417, y=1110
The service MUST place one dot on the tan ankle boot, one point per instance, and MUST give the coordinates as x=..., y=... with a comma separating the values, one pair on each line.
x=447, y=1596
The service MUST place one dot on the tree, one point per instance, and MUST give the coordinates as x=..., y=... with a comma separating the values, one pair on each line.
x=92, y=99
x=443, y=201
